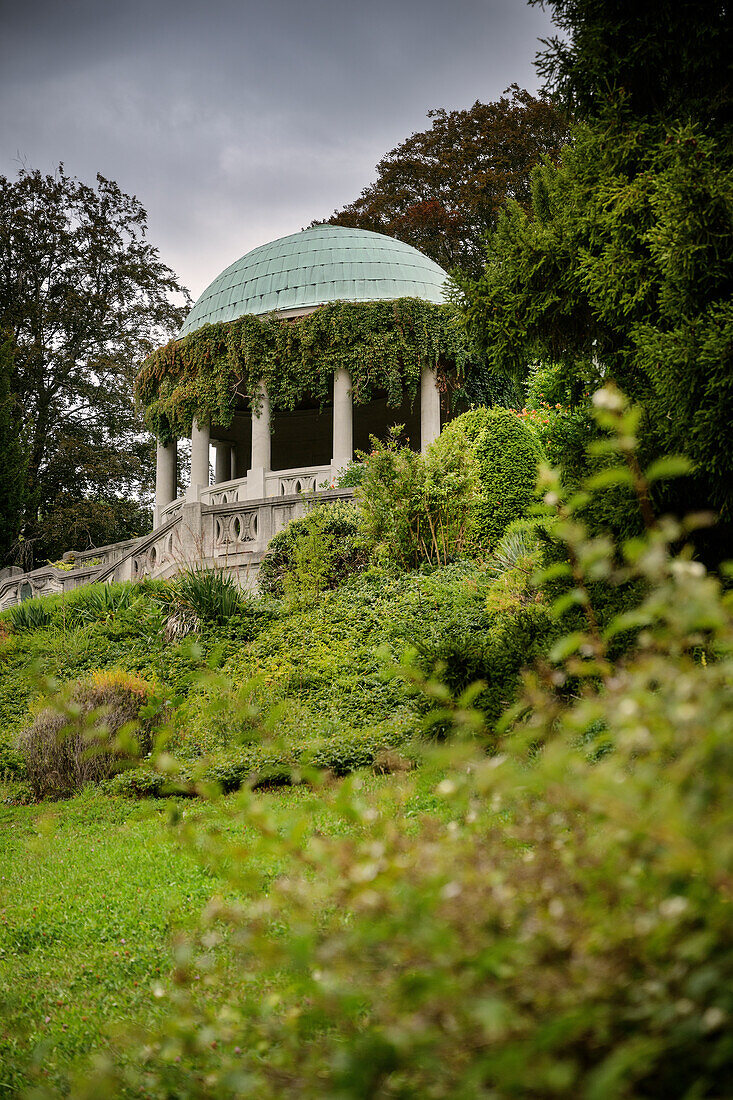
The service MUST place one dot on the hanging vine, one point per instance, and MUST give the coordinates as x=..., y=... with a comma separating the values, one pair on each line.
x=383, y=345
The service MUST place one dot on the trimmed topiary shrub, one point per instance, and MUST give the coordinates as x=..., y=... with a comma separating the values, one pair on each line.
x=508, y=454
x=78, y=738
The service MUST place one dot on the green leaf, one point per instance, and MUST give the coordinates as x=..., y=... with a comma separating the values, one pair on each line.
x=564, y=603
x=559, y=569
x=614, y=475
x=571, y=643
x=668, y=467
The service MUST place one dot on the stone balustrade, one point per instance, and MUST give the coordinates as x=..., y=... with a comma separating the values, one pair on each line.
x=232, y=535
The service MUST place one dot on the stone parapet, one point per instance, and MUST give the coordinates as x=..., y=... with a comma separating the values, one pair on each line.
x=231, y=535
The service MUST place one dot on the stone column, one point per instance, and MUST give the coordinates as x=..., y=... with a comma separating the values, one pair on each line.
x=223, y=463
x=343, y=422
x=199, y=460
x=166, y=485
x=233, y=463
x=261, y=440
x=429, y=407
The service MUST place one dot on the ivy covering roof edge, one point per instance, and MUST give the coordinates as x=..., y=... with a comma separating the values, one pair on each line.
x=383, y=345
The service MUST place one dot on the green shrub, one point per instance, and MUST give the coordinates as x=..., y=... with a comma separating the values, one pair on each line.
x=523, y=545
x=271, y=764
x=316, y=551
x=350, y=476
x=495, y=656
x=77, y=739
x=416, y=508
x=508, y=454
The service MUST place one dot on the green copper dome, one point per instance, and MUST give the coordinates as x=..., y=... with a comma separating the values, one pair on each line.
x=327, y=263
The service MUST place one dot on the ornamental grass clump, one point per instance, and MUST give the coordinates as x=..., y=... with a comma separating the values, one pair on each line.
x=87, y=732
x=200, y=597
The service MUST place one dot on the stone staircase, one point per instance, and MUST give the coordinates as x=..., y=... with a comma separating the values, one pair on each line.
x=232, y=536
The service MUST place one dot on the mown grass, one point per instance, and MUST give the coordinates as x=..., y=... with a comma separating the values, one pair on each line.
x=93, y=893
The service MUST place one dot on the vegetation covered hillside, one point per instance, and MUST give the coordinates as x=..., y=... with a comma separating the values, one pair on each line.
x=527, y=899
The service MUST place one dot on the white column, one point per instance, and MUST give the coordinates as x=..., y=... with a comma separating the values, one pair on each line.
x=166, y=486
x=223, y=463
x=343, y=422
x=199, y=459
x=261, y=440
x=233, y=464
x=429, y=407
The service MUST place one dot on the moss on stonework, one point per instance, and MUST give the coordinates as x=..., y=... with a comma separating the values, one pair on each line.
x=383, y=345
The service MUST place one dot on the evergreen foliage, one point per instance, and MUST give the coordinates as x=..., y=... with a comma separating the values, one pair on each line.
x=663, y=58
x=624, y=269
x=508, y=454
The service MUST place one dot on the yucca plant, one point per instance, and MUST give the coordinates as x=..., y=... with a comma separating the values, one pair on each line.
x=31, y=614
x=520, y=545
x=201, y=596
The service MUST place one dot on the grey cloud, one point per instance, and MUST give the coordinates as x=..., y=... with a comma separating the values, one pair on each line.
x=238, y=122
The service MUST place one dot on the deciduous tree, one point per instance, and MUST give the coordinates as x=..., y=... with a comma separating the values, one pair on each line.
x=12, y=451
x=441, y=189
x=85, y=297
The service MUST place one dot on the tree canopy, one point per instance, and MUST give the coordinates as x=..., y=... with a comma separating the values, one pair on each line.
x=85, y=297
x=441, y=189
x=13, y=466
x=623, y=268
x=662, y=58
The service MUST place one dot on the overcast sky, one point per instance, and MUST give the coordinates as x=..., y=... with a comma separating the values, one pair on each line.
x=238, y=122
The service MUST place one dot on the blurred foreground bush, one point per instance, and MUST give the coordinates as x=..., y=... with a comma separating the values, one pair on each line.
x=561, y=925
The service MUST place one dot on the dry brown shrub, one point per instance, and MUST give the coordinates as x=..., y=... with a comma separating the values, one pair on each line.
x=76, y=739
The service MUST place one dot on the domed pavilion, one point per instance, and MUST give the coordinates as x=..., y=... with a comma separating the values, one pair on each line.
x=295, y=355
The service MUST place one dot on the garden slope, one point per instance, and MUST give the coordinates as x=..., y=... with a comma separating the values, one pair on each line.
x=328, y=663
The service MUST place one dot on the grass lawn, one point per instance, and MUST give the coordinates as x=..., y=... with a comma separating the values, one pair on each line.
x=92, y=892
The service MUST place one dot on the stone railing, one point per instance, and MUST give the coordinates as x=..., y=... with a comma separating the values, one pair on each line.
x=231, y=535
x=284, y=483
x=278, y=483
x=45, y=581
